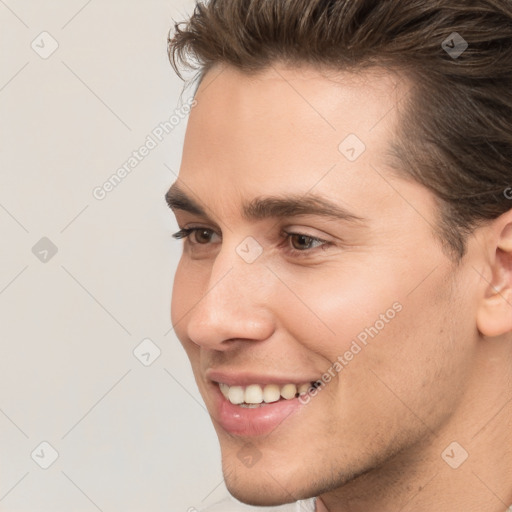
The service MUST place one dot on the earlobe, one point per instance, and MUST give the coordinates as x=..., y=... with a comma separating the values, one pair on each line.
x=494, y=316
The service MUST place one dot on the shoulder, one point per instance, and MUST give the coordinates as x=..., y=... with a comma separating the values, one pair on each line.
x=232, y=505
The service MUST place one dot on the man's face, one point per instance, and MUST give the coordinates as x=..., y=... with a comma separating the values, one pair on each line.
x=371, y=290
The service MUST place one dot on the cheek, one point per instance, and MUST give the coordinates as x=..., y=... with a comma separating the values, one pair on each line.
x=342, y=312
x=379, y=328
x=412, y=372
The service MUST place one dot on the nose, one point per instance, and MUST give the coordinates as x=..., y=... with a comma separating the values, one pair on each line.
x=234, y=304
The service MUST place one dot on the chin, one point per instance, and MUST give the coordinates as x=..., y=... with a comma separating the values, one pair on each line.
x=263, y=485
x=257, y=494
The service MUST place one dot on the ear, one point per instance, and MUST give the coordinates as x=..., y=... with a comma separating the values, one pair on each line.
x=494, y=316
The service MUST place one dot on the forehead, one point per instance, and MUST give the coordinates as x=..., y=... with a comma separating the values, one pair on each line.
x=290, y=130
x=302, y=97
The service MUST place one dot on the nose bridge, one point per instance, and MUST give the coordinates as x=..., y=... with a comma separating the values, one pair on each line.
x=234, y=303
x=240, y=269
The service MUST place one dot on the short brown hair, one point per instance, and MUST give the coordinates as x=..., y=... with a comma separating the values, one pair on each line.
x=455, y=136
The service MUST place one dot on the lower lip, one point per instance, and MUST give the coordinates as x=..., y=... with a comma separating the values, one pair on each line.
x=257, y=421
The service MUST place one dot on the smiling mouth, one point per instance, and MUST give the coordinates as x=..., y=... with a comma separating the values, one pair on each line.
x=255, y=395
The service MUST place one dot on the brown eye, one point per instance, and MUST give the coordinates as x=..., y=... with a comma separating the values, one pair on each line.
x=300, y=245
x=202, y=236
x=303, y=241
x=196, y=236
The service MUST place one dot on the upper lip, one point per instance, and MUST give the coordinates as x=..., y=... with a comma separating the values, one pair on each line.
x=244, y=378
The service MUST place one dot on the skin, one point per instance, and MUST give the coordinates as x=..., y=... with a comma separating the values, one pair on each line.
x=439, y=372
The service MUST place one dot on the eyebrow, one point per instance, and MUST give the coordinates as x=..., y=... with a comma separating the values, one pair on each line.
x=262, y=208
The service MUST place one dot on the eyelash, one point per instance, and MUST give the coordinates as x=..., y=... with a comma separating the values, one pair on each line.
x=186, y=232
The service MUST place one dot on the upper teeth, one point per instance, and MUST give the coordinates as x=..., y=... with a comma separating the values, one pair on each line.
x=255, y=394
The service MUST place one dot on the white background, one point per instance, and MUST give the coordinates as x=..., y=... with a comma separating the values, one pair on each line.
x=129, y=437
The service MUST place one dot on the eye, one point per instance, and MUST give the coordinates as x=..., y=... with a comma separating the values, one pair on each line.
x=201, y=236
x=304, y=242
x=295, y=244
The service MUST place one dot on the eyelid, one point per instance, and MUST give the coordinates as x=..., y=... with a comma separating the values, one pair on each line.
x=185, y=232
x=298, y=230
x=286, y=235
